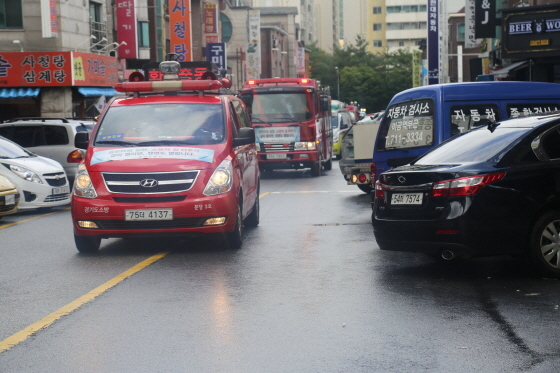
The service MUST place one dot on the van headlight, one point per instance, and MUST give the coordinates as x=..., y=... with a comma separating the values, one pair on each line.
x=82, y=184
x=221, y=180
x=304, y=145
x=26, y=174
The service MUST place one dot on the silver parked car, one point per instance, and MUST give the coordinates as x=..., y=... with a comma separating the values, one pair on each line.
x=49, y=137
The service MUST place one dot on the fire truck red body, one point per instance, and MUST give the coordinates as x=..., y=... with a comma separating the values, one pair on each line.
x=292, y=122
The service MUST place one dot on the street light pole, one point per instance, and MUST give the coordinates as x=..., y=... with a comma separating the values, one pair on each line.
x=337, y=84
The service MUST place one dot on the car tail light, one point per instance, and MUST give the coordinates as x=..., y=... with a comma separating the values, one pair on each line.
x=373, y=171
x=362, y=178
x=379, y=190
x=464, y=186
x=75, y=157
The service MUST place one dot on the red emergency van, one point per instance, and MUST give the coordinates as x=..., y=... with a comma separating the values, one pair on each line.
x=292, y=122
x=171, y=157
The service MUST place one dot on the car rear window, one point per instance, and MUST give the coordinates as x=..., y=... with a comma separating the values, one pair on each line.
x=466, y=117
x=407, y=125
x=474, y=146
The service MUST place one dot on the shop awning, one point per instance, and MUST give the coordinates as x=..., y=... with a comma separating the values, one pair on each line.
x=502, y=73
x=19, y=92
x=96, y=91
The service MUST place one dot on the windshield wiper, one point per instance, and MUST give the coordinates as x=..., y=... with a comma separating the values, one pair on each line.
x=116, y=142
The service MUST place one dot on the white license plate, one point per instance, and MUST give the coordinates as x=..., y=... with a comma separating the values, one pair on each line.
x=148, y=214
x=406, y=199
x=61, y=190
x=276, y=156
x=10, y=200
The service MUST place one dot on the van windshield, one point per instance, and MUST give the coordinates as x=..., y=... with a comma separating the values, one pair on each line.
x=161, y=124
x=407, y=125
x=276, y=107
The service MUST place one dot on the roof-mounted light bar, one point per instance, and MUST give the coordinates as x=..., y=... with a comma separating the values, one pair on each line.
x=302, y=81
x=175, y=85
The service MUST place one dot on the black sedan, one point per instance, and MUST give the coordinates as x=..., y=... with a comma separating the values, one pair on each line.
x=491, y=191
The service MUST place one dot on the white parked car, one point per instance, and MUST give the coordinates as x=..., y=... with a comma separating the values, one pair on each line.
x=49, y=137
x=41, y=182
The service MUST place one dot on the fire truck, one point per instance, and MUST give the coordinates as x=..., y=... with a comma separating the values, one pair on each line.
x=292, y=122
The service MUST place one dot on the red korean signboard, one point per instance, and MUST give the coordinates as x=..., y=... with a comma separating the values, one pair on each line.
x=180, y=29
x=126, y=28
x=188, y=70
x=210, y=19
x=57, y=69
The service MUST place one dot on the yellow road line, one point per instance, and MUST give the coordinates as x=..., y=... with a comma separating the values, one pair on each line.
x=33, y=218
x=22, y=335
x=264, y=194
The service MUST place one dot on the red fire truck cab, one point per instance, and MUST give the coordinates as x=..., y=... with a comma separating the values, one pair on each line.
x=292, y=122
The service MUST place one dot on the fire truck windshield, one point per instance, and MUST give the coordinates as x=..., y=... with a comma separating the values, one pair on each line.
x=280, y=107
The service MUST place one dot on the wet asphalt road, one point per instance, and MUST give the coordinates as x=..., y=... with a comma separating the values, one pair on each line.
x=309, y=292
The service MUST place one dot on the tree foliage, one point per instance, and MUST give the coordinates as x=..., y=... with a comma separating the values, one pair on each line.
x=370, y=79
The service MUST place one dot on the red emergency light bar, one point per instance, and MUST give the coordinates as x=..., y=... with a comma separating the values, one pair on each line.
x=172, y=85
x=280, y=81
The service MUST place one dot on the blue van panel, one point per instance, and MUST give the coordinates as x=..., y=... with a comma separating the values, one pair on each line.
x=446, y=96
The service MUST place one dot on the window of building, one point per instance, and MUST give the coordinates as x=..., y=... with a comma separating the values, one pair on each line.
x=377, y=43
x=422, y=8
x=377, y=27
x=227, y=28
x=461, y=31
x=376, y=10
x=423, y=25
x=143, y=34
x=401, y=43
x=11, y=16
x=97, y=26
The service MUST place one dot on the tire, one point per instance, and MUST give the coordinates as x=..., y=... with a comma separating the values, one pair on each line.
x=316, y=169
x=327, y=166
x=544, y=245
x=87, y=244
x=234, y=239
x=252, y=220
x=366, y=188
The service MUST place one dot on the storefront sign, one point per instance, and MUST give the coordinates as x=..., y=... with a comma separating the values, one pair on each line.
x=126, y=28
x=57, y=69
x=180, y=29
x=433, y=42
x=216, y=53
x=531, y=33
x=49, y=21
x=253, y=64
x=210, y=19
x=300, y=60
x=188, y=70
x=485, y=19
x=470, y=40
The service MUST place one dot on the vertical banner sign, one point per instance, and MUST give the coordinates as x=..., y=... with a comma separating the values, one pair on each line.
x=126, y=28
x=180, y=25
x=300, y=60
x=253, y=64
x=433, y=42
x=49, y=21
x=485, y=18
x=211, y=23
x=216, y=53
x=470, y=40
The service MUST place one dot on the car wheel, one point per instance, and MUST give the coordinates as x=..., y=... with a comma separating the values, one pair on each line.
x=366, y=188
x=316, y=169
x=234, y=239
x=87, y=244
x=252, y=220
x=328, y=165
x=544, y=249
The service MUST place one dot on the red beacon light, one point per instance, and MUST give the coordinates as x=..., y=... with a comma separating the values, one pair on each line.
x=171, y=81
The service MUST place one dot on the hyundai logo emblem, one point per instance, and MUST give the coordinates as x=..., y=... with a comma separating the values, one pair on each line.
x=401, y=179
x=149, y=183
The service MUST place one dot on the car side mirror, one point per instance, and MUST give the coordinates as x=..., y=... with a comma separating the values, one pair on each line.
x=324, y=103
x=81, y=140
x=246, y=136
x=343, y=126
